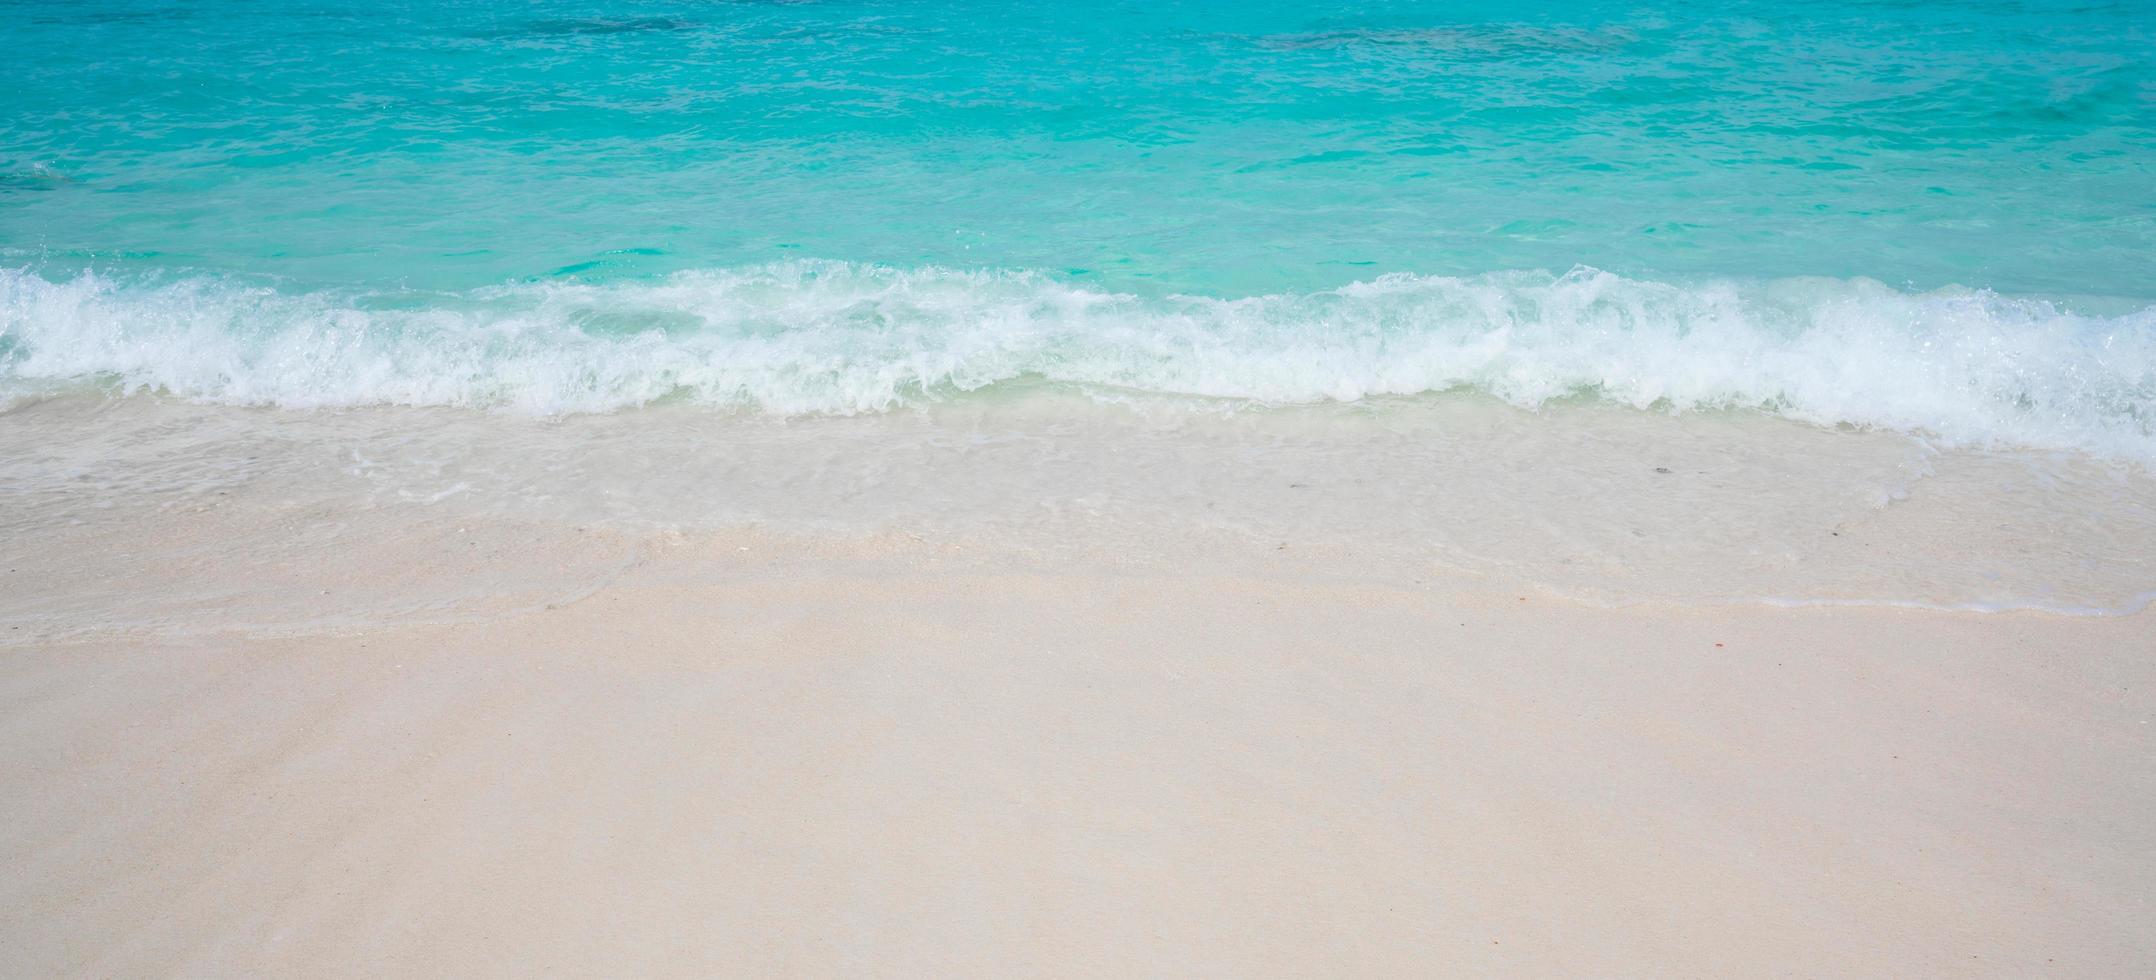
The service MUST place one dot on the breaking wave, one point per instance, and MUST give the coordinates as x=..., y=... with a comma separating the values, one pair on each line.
x=1969, y=367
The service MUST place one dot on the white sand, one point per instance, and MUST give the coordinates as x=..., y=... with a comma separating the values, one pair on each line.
x=844, y=768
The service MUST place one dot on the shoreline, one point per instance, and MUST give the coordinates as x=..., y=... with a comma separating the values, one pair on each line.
x=1042, y=687
x=145, y=509
x=1198, y=489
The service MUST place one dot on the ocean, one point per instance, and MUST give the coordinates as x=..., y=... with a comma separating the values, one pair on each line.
x=1519, y=268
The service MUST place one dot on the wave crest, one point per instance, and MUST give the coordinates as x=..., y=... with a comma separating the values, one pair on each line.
x=824, y=337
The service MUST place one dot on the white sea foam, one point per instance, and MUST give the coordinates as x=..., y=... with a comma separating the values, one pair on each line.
x=1969, y=367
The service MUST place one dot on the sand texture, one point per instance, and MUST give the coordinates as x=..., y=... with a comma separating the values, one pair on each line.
x=861, y=768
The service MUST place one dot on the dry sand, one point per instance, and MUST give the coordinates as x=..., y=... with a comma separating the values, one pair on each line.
x=842, y=768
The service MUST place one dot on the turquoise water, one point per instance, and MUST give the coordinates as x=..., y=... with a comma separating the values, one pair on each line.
x=1933, y=216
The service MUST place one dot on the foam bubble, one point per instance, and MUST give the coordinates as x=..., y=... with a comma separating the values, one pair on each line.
x=1969, y=367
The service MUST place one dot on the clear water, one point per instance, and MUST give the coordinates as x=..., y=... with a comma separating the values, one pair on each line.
x=1925, y=216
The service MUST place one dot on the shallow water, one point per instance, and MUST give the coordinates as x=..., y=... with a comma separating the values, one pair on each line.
x=181, y=513
x=1479, y=268
x=1217, y=148
x=1929, y=218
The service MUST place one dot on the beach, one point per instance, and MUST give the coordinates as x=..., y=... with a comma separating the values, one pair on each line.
x=1257, y=488
x=878, y=767
x=327, y=717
